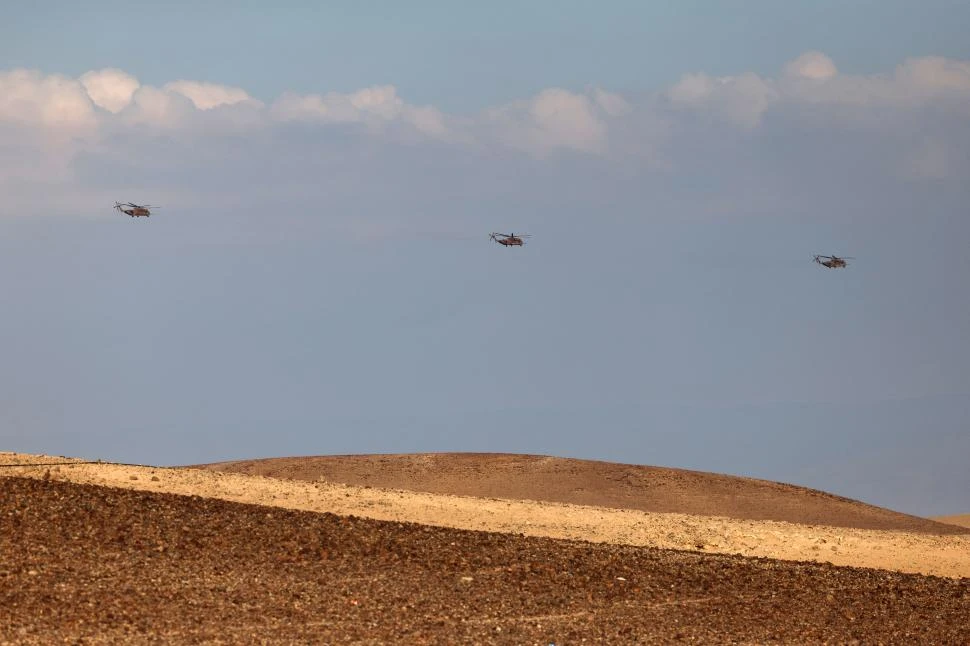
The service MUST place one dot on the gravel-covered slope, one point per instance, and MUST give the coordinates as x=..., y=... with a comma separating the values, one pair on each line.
x=105, y=564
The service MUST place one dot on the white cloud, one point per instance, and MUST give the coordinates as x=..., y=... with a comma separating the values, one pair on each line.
x=566, y=119
x=52, y=102
x=692, y=89
x=747, y=97
x=814, y=66
x=382, y=101
x=51, y=124
x=913, y=83
x=933, y=77
x=740, y=99
x=554, y=118
x=372, y=105
x=375, y=107
x=110, y=88
x=154, y=107
x=428, y=120
x=613, y=104
x=814, y=79
x=206, y=96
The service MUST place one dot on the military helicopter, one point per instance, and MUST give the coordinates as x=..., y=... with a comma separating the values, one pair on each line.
x=136, y=210
x=509, y=239
x=832, y=262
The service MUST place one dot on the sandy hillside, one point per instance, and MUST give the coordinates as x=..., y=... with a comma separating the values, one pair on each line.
x=590, y=483
x=95, y=564
x=963, y=520
x=944, y=555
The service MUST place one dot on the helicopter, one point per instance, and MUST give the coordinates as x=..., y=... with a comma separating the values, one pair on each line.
x=136, y=210
x=832, y=262
x=509, y=239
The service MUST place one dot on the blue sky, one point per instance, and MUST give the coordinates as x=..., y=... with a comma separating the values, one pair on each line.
x=320, y=279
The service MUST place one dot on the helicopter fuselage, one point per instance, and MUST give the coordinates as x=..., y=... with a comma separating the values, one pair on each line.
x=134, y=210
x=832, y=262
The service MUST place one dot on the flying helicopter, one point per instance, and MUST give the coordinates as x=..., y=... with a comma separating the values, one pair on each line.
x=832, y=262
x=136, y=210
x=509, y=239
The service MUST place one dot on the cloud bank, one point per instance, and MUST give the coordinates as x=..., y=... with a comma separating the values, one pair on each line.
x=813, y=79
x=106, y=129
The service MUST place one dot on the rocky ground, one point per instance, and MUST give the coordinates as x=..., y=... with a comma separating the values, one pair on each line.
x=942, y=553
x=92, y=564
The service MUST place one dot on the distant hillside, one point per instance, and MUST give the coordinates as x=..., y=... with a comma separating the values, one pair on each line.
x=588, y=482
x=963, y=520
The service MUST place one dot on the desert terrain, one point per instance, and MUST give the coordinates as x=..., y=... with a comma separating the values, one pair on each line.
x=461, y=548
x=963, y=520
x=589, y=483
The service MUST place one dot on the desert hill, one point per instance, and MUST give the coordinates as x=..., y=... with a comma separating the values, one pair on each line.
x=592, y=483
x=963, y=520
x=82, y=563
x=940, y=554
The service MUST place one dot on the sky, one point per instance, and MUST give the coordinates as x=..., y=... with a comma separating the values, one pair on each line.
x=319, y=278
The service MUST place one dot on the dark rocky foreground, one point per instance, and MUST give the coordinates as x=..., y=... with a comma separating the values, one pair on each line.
x=91, y=564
